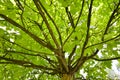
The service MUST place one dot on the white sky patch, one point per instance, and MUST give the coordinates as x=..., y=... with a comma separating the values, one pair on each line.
x=104, y=45
x=114, y=63
x=78, y=46
x=9, y=77
x=118, y=52
x=80, y=23
x=36, y=75
x=17, y=33
x=83, y=73
x=8, y=48
x=118, y=46
x=66, y=54
x=12, y=40
x=98, y=70
x=114, y=48
x=13, y=1
x=94, y=64
x=3, y=27
x=115, y=32
x=99, y=54
x=97, y=8
x=2, y=19
x=92, y=27
x=69, y=24
x=115, y=24
x=113, y=73
x=13, y=31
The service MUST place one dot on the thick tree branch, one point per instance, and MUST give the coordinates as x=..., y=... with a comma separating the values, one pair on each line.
x=37, y=4
x=6, y=62
x=78, y=65
x=37, y=39
x=45, y=71
x=26, y=63
x=29, y=64
x=51, y=62
x=62, y=60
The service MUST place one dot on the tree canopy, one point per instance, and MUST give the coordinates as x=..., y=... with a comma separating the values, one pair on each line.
x=58, y=39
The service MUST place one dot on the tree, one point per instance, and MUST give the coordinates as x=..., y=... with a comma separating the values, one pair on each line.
x=58, y=37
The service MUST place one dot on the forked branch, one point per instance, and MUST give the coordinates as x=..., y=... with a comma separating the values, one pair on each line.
x=78, y=61
x=111, y=19
x=58, y=31
x=58, y=51
x=37, y=4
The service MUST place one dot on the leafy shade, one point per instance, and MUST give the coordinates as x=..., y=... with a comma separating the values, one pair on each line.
x=57, y=37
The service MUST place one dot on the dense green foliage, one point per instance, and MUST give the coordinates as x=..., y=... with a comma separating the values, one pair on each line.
x=42, y=39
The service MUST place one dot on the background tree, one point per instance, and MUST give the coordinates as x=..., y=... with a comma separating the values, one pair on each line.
x=58, y=38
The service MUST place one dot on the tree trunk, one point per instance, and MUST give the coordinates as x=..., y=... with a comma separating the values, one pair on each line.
x=67, y=77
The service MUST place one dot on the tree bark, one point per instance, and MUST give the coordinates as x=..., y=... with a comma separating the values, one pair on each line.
x=67, y=77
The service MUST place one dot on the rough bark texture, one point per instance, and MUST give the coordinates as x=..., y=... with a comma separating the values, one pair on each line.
x=67, y=77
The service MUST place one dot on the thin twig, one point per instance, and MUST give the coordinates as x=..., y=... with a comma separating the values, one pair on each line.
x=103, y=41
x=68, y=37
x=70, y=17
x=58, y=31
x=71, y=55
x=110, y=20
x=107, y=59
x=80, y=13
